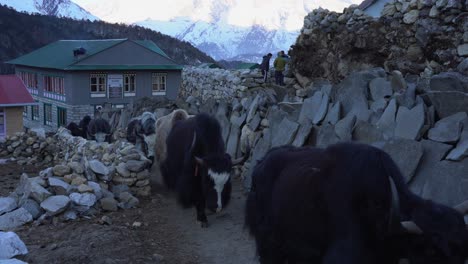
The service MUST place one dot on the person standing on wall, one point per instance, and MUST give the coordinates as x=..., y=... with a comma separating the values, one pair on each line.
x=279, y=64
x=265, y=66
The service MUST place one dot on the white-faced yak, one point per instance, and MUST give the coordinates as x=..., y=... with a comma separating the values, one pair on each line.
x=347, y=203
x=99, y=129
x=197, y=165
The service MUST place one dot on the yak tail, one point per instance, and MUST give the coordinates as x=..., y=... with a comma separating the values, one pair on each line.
x=169, y=181
x=251, y=208
x=188, y=180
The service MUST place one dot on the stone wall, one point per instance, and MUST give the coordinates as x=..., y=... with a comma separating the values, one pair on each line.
x=421, y=122
x=412, y=36
x=83, y=176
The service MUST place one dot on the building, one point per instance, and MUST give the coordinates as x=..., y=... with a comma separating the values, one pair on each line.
x=373, y=7
x=209, y=65
x=248, y=66
x=72, y=78
x=15, y=102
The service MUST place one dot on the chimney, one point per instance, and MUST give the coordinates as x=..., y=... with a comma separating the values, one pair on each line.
x=79, y=51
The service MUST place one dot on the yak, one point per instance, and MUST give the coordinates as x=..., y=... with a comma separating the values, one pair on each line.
x=99, y=129
x=141, y=132
x=80, y=130
x=164, y=125
x=197, y=166
x=347, y=203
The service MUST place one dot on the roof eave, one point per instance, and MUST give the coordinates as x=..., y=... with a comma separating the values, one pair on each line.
x=18, y=104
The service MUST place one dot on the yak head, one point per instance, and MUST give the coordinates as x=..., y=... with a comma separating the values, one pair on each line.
x=148, y=133
x=439, y=234
x=215, y=170
x=99, y=129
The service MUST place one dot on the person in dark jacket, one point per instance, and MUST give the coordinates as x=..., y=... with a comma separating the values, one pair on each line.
x=279, y=64
x=265, y=66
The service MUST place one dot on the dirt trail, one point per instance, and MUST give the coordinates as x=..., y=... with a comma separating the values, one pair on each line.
x=224, y=241
x=159, y=231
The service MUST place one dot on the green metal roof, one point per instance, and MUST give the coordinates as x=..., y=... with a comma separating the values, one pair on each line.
x=151, y=46
x=59, y=54
x=248, y=66
x=209, y=65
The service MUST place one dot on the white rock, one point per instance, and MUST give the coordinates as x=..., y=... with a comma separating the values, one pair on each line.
x=15, y=219
x=86, y=199
x=54, y=205
x=11, y=245
x=7, y=204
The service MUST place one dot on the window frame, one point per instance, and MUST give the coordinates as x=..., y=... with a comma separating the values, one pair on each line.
x=46, y=121
x=158, y=79
x=63, y=117
x=97, y=92
x=33, y=116
x=128, y=85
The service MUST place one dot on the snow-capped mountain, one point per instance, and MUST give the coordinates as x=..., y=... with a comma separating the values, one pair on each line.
x=224, y=29
x=60, y=8
x=224, y=41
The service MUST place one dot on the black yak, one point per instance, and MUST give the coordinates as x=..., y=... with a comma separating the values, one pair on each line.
x=141, y=132
x=197, y=165
x=347, y=203
x=80, y=130
x=99, y=129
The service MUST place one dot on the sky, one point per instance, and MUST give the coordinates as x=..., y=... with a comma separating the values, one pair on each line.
x=288, y=14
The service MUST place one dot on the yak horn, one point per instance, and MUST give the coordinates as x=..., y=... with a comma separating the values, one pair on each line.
x=200, y=161
x=411, y=227
x=462, y=208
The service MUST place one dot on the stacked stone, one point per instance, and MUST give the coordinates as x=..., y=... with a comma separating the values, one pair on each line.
x=412, y=36
x=90, y=177
x=428, y=140
x=219, y=84
x=29, y=148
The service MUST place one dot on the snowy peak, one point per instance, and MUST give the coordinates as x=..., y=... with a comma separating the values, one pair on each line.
x=60, y=8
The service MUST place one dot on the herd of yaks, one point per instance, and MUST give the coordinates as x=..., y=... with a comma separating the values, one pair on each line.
x=347, y=203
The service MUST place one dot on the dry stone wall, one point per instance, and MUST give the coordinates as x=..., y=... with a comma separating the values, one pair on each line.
x=83, y=178
x=413, y=36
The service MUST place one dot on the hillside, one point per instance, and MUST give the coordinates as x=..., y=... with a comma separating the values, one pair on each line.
x=22, y=33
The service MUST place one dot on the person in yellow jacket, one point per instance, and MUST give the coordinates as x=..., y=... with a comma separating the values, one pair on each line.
x=279, y=64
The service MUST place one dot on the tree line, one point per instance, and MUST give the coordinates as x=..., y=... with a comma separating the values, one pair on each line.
x=22, y=33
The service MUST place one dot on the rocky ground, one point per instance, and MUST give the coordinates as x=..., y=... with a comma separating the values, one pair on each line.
x=157, y=232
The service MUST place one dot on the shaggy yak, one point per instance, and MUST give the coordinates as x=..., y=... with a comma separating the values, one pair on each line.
x=347, y=203
x=141, y=132
x=197, y=165
x=99, y=129
x=80, y=130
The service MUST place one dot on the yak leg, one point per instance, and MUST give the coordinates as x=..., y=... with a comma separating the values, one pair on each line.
x=200, y=206
x=201, y=216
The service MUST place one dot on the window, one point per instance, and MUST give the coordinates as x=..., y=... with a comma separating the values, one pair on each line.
x=129, y=84
x=98, y=84
x=35, y=112
x=25, y=111
x=2, y=123
x=47, y=114
x=61, y=116
x=159, y=83
x=54, y=85
x=29, y=79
